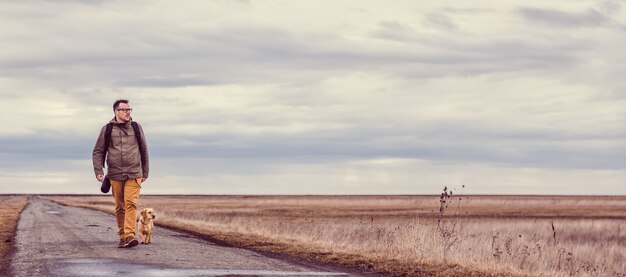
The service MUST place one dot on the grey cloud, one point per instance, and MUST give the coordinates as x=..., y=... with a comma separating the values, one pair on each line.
x=240, y=54
x=463, y=55
x=45, y=146
x=465, y=10
x=590, y=18
x=394, y=30
x=459, y=142
x=165, y=81
x=227, y=54
x=439, y=21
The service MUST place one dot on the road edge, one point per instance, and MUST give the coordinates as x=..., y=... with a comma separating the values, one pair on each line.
x=6, y=264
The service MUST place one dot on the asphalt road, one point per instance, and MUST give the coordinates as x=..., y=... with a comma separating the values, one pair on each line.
x=56, y=240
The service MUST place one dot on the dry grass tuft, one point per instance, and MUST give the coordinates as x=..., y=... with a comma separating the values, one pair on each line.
x=10, y=208
x=409, y=235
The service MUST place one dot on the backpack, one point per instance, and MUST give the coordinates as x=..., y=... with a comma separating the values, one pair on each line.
x=107, y=141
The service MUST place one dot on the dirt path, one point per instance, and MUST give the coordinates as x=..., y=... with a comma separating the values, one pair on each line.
x=55, y=240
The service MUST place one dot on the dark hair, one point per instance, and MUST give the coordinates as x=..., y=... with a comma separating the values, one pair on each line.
x=117, y=103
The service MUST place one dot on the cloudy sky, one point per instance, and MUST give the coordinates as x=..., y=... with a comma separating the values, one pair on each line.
x=320, y=97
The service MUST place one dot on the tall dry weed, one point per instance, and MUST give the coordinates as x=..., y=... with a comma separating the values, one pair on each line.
x=525, y=249
x=447, y=227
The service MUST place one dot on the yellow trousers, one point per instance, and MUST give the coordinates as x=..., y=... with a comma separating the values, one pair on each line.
x=126, y=194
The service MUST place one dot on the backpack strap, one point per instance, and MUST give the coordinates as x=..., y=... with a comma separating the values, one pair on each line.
x=107, y=142
x=139, y=143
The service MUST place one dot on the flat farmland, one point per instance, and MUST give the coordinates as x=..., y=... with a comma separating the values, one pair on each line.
x=449, y=235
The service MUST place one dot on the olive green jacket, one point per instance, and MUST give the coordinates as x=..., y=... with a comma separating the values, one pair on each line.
x=123, y=158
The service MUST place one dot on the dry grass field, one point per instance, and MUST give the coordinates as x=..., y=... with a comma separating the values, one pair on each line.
x=10, y=208
x=412, y=235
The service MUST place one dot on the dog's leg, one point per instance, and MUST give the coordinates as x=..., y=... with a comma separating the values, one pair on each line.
x=141, y=236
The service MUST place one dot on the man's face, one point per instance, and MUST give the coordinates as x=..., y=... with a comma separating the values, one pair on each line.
x=122, y=113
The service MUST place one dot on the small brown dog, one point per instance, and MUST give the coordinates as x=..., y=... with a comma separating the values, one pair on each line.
x=146, y=225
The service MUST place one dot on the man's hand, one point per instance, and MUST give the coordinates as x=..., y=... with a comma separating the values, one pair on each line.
x=100, y=178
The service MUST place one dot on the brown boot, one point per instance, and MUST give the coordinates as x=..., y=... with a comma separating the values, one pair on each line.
x=120, y=244
x=130, y=242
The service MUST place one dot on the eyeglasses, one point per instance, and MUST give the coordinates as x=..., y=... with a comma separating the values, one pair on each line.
x=124, y=110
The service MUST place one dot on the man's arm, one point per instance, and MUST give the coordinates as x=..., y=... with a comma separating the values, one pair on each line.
x=145, y=163
x=98, y=155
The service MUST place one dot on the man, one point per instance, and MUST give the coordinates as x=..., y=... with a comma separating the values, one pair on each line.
x=127, y=162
